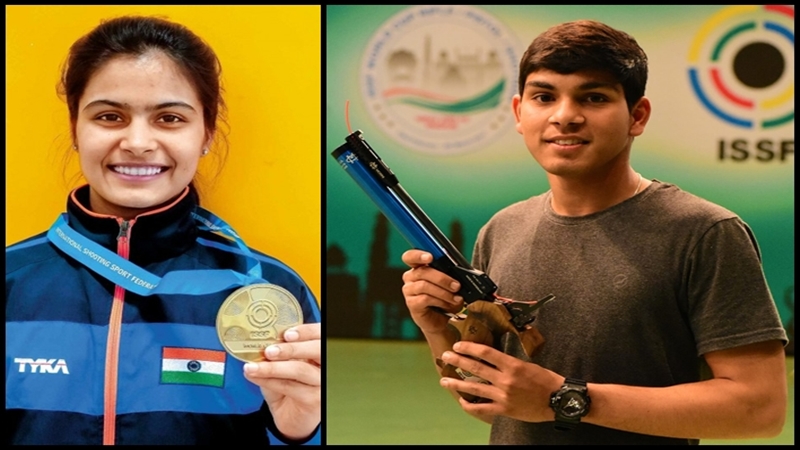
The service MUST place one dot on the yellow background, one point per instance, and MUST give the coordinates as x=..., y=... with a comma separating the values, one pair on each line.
x=269, y=188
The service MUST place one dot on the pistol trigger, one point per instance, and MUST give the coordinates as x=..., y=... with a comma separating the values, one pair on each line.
x=523, y=314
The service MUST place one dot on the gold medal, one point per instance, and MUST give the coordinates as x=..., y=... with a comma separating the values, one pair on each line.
x=255, y=317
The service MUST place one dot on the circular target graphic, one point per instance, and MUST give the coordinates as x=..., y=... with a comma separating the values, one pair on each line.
x=261, y=314
x=254, y=317
x=742, y=65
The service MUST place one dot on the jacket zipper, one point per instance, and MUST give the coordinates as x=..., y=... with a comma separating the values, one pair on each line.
x=112, y=345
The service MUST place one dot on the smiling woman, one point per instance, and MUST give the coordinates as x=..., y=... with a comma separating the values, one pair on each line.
x=143, y=273
x=118, y=133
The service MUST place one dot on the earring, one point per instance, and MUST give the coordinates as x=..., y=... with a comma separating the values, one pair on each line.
x=205, y=151
x=74, y=147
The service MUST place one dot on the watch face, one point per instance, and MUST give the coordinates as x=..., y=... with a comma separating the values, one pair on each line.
x=572, y=404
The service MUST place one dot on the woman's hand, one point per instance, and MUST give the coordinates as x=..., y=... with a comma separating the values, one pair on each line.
x=290, y=380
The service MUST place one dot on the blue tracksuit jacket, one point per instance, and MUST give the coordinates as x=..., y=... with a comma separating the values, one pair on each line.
x=84, y=357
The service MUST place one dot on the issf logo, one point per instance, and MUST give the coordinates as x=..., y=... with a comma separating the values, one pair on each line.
x=741, y=65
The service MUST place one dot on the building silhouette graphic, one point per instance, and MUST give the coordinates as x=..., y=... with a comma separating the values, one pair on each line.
x=378, y=311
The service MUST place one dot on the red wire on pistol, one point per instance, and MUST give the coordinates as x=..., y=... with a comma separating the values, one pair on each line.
x=508, y=300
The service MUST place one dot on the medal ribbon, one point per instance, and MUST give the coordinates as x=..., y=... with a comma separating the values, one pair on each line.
x=135, y=279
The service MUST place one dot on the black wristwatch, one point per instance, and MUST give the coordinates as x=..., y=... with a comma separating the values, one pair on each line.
x=570, y=403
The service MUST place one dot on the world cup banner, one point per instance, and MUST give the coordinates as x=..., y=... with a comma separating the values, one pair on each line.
x=431, y=86
x=427, y=90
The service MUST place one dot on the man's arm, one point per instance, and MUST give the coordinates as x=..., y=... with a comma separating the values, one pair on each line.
x=746, y=398
x=424, y=288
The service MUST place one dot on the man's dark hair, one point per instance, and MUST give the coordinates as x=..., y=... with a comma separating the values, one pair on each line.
x=588, y=45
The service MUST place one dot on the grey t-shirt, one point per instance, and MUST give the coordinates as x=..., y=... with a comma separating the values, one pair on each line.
x=643, y=289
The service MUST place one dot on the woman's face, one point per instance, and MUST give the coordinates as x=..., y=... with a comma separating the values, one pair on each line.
x=140, y=134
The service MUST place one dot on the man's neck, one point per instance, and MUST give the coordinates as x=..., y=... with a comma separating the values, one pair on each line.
x=584, y=196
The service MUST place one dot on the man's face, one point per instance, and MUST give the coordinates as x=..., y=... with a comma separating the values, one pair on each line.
x=577, y=124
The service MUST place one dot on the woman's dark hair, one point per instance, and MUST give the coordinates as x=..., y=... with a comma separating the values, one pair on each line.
x=136, y=36
x=588, y=45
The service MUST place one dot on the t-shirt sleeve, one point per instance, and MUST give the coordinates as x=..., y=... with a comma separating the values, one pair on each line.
x=478, y=258
x=730, y=304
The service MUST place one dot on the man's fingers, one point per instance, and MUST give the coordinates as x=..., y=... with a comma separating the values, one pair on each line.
x=416, y=258
x=432, y=276
x=416, y=288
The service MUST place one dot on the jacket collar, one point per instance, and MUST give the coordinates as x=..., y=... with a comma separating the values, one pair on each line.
x=154, y=236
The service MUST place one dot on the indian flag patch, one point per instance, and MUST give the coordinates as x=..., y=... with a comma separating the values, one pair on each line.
x=192, y=366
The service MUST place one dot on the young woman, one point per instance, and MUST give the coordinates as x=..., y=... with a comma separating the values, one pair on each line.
x=116, y=327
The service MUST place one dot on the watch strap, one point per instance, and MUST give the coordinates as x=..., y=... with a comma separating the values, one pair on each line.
x=575, y=381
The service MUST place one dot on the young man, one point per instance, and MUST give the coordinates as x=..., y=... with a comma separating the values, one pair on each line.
x=663, y=329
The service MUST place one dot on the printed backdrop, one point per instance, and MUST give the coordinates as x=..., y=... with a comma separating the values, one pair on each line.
x=430, y=87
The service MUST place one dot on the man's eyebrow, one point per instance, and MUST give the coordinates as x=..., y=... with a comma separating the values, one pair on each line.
x=589, y=85
x=164, y=105
x=540, y=84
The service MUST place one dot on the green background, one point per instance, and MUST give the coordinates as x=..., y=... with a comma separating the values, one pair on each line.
x=680, y=144
x=387, y=391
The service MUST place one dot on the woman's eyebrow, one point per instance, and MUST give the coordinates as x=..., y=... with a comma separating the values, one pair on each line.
x=164, y=105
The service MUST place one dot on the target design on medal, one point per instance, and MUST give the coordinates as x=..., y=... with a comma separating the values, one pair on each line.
x=261, y=314
x=741, y=65
x=253, y=317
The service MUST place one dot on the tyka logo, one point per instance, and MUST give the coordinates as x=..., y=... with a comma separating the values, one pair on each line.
x=741, y=65
x=42, y=365
x=439, y=79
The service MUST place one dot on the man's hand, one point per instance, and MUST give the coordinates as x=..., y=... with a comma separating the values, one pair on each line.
x=290, y=380
x=518, y=389
x=425, y=287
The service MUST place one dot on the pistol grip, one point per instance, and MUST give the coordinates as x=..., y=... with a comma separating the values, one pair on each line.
x=489, y=323
x=531, y=341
